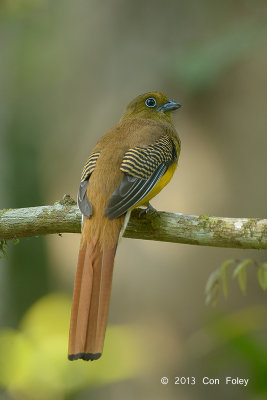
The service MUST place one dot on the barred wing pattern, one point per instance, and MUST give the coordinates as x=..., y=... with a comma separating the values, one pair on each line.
x=141, y=162
x=83, y=203
x=143, y=168
x=89, y=166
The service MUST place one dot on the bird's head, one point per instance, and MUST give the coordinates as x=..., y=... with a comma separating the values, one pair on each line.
x=151, y=105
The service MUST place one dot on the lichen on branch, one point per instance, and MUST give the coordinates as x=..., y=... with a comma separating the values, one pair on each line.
x=65, y=217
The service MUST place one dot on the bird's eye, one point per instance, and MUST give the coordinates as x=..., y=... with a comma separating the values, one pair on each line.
x=150, y=102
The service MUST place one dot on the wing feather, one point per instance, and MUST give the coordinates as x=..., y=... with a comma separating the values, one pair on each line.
x=143, y=168
x=83, y=203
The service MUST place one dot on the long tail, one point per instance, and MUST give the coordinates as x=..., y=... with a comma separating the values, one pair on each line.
x=90, y=302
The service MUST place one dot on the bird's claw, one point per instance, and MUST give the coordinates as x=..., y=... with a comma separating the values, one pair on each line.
x=149, y=209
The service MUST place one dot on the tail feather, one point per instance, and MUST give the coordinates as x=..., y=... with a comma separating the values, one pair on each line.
x=104, y=295
x=91, y=301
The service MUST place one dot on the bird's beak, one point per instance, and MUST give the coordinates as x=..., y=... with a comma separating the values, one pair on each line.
x=169, y=106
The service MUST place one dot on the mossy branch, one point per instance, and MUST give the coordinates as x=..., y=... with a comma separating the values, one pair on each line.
x=204, y=230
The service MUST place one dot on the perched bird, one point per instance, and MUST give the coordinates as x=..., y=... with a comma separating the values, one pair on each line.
x=129, y=165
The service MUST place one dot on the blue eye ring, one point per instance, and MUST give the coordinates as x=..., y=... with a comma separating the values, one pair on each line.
x=150, y=102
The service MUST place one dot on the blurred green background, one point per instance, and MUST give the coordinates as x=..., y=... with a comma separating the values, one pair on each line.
x=67, y=70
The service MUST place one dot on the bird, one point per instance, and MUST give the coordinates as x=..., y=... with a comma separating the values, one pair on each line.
x=129, y=165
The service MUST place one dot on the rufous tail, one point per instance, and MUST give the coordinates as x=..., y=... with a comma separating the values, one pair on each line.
x=90, y=302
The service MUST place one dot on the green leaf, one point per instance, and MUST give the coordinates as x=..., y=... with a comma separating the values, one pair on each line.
x=241, y=274
x=240, y=266
x=226, y=264
x=264, y=266
x=212, y=288
x=225, y=284
x=221, y=274
x=224, y=275
x=212, y=296
x=262, y=276
x=213, y=278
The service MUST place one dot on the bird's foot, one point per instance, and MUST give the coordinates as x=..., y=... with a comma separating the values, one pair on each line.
x=149, y=209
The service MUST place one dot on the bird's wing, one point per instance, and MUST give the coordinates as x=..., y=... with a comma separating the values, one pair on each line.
x=84, y=204
x=143, y=167
x=89, y=166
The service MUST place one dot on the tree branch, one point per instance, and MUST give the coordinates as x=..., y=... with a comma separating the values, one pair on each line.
x=64, y=216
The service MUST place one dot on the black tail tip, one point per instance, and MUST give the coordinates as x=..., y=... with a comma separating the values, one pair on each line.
x=84, y=356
